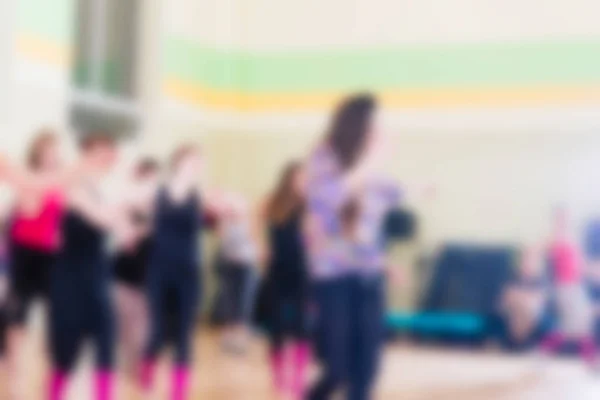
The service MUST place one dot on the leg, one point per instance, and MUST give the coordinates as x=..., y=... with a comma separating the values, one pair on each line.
x=188, y=295
x=229, y=287
x=66, y=335
x=18, y=303
x=302, y=351
x=333, y=309
x=367, y=318
x=156, y=291
x=104, y=337
x=243, y=306
x=276, y=339
x=130, y=312
x=139, y=329
x=248, y=300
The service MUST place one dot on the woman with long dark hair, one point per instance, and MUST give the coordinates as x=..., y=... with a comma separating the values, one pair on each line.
x=287, y=280
x=347, y=202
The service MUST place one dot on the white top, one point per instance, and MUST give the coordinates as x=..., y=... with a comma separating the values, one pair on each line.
x=236, y=242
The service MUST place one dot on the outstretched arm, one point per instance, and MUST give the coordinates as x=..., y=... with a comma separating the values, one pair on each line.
x=213, y=202
x=95, y=212
x=24, y=181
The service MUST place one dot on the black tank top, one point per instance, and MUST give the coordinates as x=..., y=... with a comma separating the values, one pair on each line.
x=176, y=228
x=82, y=241
x=288, y=260
x=130, y=265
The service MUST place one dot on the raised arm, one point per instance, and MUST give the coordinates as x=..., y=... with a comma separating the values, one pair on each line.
x=213, y=201
x=259, y=227
x=25, y=181
x=97, y=213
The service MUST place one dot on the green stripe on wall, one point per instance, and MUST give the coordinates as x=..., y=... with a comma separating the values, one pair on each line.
x=401, y=67
x=51, y=19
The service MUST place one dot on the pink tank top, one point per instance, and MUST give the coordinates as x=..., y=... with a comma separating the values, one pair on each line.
x=41, y=231
x=566, y=262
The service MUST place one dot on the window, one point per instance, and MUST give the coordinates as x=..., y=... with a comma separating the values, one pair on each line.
x=105, y=66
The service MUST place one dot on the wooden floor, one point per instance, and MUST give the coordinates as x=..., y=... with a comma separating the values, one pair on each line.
x=408, y=373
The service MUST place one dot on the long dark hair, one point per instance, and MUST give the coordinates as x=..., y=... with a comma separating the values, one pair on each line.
x=285, y=199
x=350, y=125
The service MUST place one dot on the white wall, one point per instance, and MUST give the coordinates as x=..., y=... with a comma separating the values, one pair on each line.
x=498, y=172
x=292, y=24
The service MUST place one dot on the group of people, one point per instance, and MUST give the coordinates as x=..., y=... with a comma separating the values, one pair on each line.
x=550, y=302
x=59, y=234
x=127, y=273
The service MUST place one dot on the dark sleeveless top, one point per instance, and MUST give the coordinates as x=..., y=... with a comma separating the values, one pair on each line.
x=130, y=264
x=176, y=228
x=81, y=239
x=288, y=260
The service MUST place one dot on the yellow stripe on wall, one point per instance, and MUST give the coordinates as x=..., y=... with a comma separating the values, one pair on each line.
x=414, y=98
x=40, y=49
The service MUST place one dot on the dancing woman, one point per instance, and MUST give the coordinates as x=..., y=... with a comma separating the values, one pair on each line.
x=347, y=201
x=287, y=278
x=174, y=268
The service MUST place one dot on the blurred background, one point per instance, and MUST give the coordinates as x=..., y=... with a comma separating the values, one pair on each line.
x=494, y=103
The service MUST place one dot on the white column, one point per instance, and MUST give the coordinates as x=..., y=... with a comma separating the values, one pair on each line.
x=150, y=77
x=7, y=17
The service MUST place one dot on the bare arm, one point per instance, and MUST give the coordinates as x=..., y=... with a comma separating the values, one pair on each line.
x=99, y=214
x=212, y=201
x=25, y=181
x=259, y=218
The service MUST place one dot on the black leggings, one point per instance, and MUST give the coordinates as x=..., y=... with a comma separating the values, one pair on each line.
x=29, y=279
x=290, y=316
x=350, y=314
x=81, y=308
x=238, y=286
x=173, y=297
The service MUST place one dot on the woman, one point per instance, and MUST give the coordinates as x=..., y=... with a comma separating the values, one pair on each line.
x=35, y=236
x=238, y=256
x=131, y=263
x=523, y=301
x=573, y=305
x=173, y=271
x=80, y=304
x=287, y=278
x=346, y=205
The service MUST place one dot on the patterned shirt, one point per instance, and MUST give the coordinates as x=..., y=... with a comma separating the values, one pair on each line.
x=332, y=252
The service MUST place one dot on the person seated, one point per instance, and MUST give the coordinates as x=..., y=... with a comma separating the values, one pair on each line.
x=524, y=300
